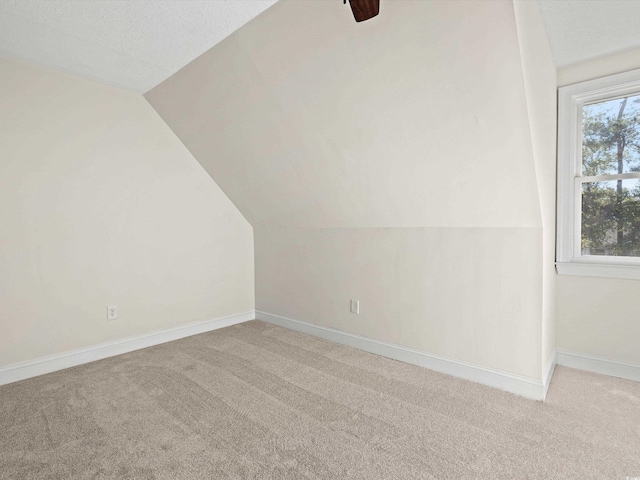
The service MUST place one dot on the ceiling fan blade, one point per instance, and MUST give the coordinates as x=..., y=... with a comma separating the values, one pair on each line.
x=364, y=9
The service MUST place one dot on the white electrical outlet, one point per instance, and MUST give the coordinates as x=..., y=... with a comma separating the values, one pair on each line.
x=355, y=306
x=112, y=312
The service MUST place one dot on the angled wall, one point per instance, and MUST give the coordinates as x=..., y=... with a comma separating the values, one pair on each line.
x=539, y=74
x=389, y=161
x=102, y=205
x=416, y=118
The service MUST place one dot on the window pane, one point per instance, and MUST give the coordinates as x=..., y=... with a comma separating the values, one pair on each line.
x=611, y=136
x=611, y=218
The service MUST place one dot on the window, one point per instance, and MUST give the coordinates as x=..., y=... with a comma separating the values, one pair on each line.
x=599, y=177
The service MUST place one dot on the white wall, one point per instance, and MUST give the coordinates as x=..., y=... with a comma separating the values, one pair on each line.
x=539, y=73
x=454, y=292
x=390, y=161
x=599, y=316
x=102, y=205
x=415, y=118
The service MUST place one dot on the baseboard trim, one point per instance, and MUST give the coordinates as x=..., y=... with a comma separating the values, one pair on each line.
x=604, y=366
x=520, y=385
x=53, y=363
x=551, y=368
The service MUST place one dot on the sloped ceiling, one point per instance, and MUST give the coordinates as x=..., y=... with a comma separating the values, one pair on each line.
x=136, y=44
x=414, y=118
x=130, y=44
x=584, y=29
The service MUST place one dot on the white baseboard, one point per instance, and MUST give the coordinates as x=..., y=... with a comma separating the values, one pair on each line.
x=520, y=385
x=604, y=366
x=551, y=368
x=52, y=363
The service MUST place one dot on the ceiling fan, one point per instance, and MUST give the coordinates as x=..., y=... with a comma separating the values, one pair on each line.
x=364, y=9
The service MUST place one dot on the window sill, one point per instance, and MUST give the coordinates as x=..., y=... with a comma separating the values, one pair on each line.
x=602, y=270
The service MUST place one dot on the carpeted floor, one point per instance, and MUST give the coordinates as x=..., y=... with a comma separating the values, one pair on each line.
x=258, y=401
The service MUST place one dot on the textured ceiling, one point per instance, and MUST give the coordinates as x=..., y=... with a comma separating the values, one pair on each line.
x=136, y=44
x=133, y=44
x=582, y=29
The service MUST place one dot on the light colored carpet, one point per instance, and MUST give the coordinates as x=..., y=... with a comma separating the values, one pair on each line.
x=258, y=401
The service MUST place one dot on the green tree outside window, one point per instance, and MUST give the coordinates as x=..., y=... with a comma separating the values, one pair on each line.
x=611, y=208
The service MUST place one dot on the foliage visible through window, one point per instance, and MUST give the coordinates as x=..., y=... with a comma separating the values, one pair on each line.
x=610, y=221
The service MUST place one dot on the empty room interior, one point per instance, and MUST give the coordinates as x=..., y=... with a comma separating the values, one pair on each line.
x=319, y=239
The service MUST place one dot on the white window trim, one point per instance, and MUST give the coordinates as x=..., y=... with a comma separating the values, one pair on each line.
x=569, y=260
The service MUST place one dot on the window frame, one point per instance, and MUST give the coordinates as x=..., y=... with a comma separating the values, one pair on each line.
x=571, y=98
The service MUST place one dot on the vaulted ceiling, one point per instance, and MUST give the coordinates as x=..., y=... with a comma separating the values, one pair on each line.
x=130, y=44
x=579, y=30
x=138, y=44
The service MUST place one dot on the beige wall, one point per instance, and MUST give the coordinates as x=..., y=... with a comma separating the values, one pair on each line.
x=599, y=316
x=102, y=205
x=454, y=292
x=417, y=117
x=389, y=161
x=539, y=73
